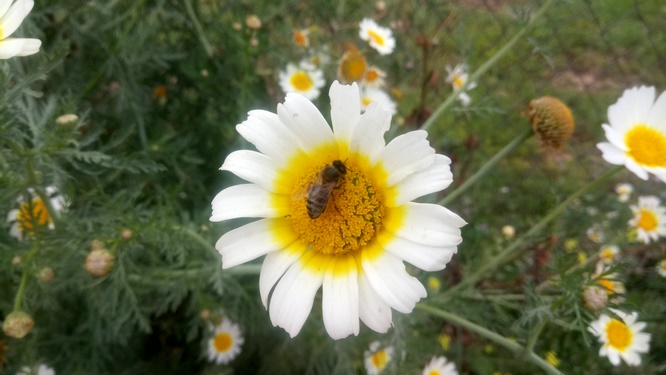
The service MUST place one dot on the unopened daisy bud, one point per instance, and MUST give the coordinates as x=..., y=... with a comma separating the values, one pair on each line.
x=380, y=6
x=16, y=260
x=126, y=234
x=254, y=42
x=205, y=314
x=551, y=120
x=99, y=262
x=508, y=231
x=353, y=65
x=67, y=120
x=18, y=324
x=237, y=26
x=96, y=245
x=46, y=274
x=253, y=22
x=594, y=298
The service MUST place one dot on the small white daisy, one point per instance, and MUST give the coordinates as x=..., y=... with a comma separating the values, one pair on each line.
x=457, y=78
x=302, y=37
x=661, y=268
x=36, y=370
x=624, y=191
x=372, y=95
x=595, y=234
x=11, y=18
x=637, y=133
x=609, y=253
x=303, y=79
x=649, y=219
x=621, y=338
x=374, y=77
x=440, y=366
x=33, y=214
x=225, y=345
x=379, y=38
x=377, y=358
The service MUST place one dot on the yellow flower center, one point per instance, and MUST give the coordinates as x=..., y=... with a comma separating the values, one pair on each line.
x=619, y=335
x=352, y=66
x=647, y=146
x=350, y=219
x=607, y=255
x=378, y=39
x=301, y=81
x=458, y=82
x=31, y=214
x=608, y=285
x=552, y=359
x=379, y=359
x=444, y=341
x=434, y=372
x=365, y=101
x=647, y=220
x=300, y=39
x=371, y=76
x=223, y=341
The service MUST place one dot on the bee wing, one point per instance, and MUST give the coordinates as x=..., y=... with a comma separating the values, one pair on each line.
x=303, y=192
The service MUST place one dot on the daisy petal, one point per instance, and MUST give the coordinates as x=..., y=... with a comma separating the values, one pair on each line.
x=615, y=138
x=340, y=298
x=13, y=18
x=427, y=258
x=369, y=138
x=270, y=136
x=632, y=108
x=275, y=265
x=657, y=116
x=611, y=153
x=429, y=224
x=253, y=240
x=305, y=121
x=374, y=312
x=435, y=178
x=345, y=109
x=247, y=200
x=637, y=169
x=255, y=167
x=406, y=154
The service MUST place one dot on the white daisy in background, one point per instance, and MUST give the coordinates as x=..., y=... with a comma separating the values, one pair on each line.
x=225, y=345
x=624, y=191
x=595, y=233
x=608, y=253
x=303, y=79
x=621, y=338
x=36, y=370
x=637, y=133
x=11, y=17
x=661, y=268
x=649, y=219
x=457, y=78
x=367, y=227
x=440, y=366
x=372, y=95
x=374, y=77
x=33, y=213
x=377, y=358
x=379, y=38
x=302, y=37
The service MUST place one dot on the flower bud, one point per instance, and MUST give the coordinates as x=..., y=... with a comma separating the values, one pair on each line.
x=253, y=22
x=46, y=274
x=18, y=324
x=126, y=234
x=16, y=260
x=551, y=120
x=205, y=314
x=508, y=231
x=67, y=120
x=594, y=298
x=99, y=262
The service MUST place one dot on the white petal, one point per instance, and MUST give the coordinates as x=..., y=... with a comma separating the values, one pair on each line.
x=632, y=358
x=340, y=298
x=305, y=121
x=275, y=265
x=257, y=168
x=4, y=5
x=465, y=99
x=389, y=278
x=632, y=108
x=12, y=215
x=427, y=258
x=615, y=138
x=435, y=178
x=253, y=240
x=637, y=169
x=11, y=47
x=293, y=297
x=345, y=109
x=428, y=224
x=247, y=200
x=374, y=311
x=270, y=136
x=15, y=232
x=657, y=116
x=11, y=20
x=30, y=46
x=406, y=154
x=368, y=136
x=611, y=153
x=614, y=357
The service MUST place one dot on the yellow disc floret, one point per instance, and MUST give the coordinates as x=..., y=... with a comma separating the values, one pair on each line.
x=647, y=220
x=31, y=214
x=223, y=342
x=352, y=216
x=619, y=335
x=301, y=81
x=379, y=40
x=647, y=146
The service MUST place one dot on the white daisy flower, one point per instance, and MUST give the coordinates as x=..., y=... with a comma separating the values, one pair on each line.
x=11, y=17
x=609, y=253
x=374, y=77
x=365, y=225
x=624, y=191
x=440, y=366
x=304, y=79
x=225, y=345
x=621, y=338
x=372, y=95
x=377, y=358
x=661, y=268
x=302, y=37
x=36, y=370
x=379, y=38
x=457, y=78
x=649, y=219
x=595, y=234
x=33, y=214
x=637, y=133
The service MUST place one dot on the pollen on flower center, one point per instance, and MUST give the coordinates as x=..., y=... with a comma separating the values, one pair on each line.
x=31, y=213
x=352, y=216
x=301, y=81
x=647, y=146
x=458, y=82
x=223, y=342
x=379, y=359
x=619, y=335
x=647, y=220
x=376, y=37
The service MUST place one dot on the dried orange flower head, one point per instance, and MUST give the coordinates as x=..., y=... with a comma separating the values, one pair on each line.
x=353, y=65
x=551, y=120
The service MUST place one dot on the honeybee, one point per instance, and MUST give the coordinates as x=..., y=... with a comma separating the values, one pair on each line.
x=320, y=189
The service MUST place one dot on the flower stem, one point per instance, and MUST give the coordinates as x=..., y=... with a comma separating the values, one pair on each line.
x=19, y=293
x=197, y=26
x=484, y=67
x=531, y=341
x=510, y=250
x=490, y=164
x=490, y=335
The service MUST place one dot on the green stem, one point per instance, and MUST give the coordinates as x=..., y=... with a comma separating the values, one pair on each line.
x=490, y=335
x=510, y=250
x=529, y=348
x=19, y=293
x=484, y=67
x=490, y=164
x=590, y=260
x=197, y=26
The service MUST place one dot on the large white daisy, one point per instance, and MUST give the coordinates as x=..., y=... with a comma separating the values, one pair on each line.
x=621, y=338
x=379, y=38
x=225, y=345
x=637, y=132
x=33, y=213
x=440, y=366
x=303, y=79
x=649, y=219
x=11, y=17
x=368, y=227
